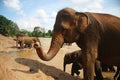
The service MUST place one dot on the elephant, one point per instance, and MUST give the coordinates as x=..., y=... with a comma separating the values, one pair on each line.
x=75, y=57
x=97, y=34
x=117, y=74
x=18, y=35
x=26, y=41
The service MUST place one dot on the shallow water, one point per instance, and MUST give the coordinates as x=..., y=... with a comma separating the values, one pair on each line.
x=22, y=53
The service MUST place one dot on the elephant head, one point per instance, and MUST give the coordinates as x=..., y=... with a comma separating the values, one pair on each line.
x=69, y=24
x=68, y=59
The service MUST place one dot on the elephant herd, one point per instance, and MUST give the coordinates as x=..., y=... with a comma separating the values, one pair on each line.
x=26, y=41
x=97, y=34
x=76, y=59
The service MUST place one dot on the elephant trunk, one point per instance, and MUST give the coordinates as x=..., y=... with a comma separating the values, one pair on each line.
x=56, y=44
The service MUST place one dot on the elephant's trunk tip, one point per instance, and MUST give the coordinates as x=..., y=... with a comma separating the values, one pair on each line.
x=37, y=43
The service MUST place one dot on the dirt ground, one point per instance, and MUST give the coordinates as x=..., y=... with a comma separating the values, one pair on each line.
x=24, y=64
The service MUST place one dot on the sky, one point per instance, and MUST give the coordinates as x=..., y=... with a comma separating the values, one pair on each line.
x=30, y=13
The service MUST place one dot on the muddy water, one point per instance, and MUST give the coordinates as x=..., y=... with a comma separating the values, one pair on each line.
x=22, y=53
x=29, y=53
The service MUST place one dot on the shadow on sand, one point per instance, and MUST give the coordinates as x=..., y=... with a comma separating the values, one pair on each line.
x=35, y=65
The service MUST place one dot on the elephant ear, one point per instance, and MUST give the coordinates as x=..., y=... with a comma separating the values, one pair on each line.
x=83, y=21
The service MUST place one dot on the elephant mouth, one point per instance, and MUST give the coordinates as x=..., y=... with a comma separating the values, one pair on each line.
x=68, y=41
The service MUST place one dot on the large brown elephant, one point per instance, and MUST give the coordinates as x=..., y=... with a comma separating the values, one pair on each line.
x=97, y=34
x=26, y=41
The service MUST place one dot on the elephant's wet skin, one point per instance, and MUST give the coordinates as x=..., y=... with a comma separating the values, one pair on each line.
x=26, y=41
x=35, y=65
x=97, y=34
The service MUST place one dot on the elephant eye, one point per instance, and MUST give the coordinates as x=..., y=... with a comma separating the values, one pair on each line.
x=65, y=17
x=64, y=31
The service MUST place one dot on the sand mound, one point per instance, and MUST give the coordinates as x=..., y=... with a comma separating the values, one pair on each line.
x=6, y=43
x=10, y=70
x=5, y=73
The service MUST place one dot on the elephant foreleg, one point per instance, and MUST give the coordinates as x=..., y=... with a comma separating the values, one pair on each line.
x=21, y=44
x=16, y=43
x=88, y=67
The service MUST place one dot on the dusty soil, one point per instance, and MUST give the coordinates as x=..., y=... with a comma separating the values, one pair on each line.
x=24, y=64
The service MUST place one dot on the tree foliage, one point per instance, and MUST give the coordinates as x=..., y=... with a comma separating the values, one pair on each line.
x=49, y=33
x=8, y=27
x=25, y=32
x=38, y=32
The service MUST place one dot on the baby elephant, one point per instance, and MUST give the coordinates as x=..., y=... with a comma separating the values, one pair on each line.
x=75, y=58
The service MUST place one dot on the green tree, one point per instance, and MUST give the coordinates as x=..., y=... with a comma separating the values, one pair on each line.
x=14, y=29
x=49, y=33
x=8, y=27
x=26, y=32
x=38, y=32
x=3, y=24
